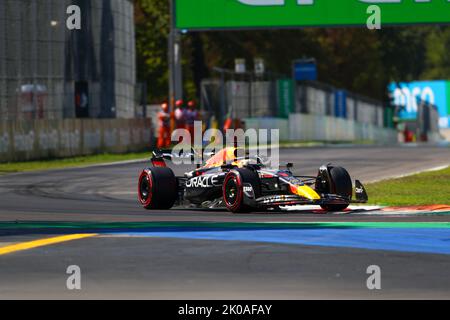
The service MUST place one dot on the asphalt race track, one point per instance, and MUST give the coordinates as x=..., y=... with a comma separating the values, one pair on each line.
x=127, y=252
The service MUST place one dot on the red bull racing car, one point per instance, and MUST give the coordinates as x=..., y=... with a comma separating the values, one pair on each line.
x=243, y=185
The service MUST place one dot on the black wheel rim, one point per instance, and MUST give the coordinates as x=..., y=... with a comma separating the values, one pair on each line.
x=231, y=191
x=145, y=188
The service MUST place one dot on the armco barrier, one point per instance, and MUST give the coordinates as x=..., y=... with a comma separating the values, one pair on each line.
x=42, y=139
x=307, y=127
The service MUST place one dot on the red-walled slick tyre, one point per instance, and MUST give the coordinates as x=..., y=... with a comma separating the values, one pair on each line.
x=157, y=188
x=233, y=189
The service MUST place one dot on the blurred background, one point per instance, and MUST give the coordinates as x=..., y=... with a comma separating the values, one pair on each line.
x=69, y=92
x=44, y=65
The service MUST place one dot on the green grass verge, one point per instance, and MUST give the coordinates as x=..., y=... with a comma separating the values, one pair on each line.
x=14, y=167
x=426, y=188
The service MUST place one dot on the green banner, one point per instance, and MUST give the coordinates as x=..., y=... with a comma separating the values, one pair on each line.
x=226, y=14
x=285, y=93
x=389, y=117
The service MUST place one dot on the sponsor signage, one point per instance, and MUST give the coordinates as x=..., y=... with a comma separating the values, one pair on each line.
x=240, y=66
x=285, y=92
x=260, y=67
x=340, y=104
x=305, y=70
x=408, y=95
x=226, y=14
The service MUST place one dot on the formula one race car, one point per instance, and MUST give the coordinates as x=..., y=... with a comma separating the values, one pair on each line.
x=244, y=185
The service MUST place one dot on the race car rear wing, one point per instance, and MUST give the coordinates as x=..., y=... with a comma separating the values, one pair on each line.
x=159, y=157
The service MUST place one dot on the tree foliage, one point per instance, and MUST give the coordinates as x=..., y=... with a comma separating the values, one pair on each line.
x=437, y=54
x=357, y=59
x=152, y=29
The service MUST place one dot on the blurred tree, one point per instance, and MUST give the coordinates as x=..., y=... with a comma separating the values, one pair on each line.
x=198, y=66
x=152, y=29
x=438, y=54
x=403, y=52
x=356, y=59
x=351, y=59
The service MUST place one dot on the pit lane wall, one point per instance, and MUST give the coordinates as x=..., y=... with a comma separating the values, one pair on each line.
x=43, y=139
x=308, y=127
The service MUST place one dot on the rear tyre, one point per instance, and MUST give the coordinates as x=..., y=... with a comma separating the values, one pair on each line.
x=157, y=188
x=233, y=189
x=341, y=185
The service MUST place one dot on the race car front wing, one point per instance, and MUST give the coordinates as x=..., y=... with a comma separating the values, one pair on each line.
x=326, y=199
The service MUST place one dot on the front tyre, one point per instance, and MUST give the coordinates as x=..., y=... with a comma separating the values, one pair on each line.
x=340, y=184
x=233, y=189
x=157, y=188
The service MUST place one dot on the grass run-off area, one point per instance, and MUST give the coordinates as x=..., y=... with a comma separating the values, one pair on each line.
x=425, y=188
x=14, y=167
